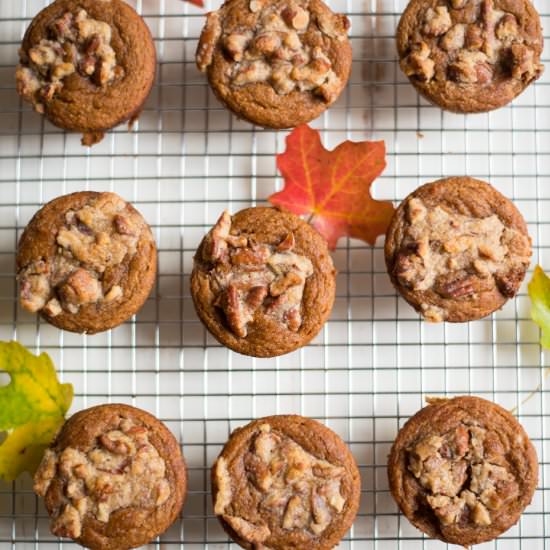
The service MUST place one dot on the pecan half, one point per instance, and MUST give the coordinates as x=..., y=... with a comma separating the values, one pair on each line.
x=458, y=288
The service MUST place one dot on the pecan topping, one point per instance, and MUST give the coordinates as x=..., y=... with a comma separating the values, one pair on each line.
x=458, y=288
x=247, y=277
x=124, y=469
x=419, y=64
x=78, y=45
x=437, y=22
x=458, y=255
x=304, y=492
x=463, y=475
x=286, y=48
x=94, y=246
x=471, y=42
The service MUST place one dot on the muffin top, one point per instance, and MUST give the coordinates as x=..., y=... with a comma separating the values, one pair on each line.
x=75, y=43
x=87, y=65
x=276, y=63
x=112, y=468
x=263, y=281
x=286, y=482
x=77, y=254
x=457, y=249
x=463, y=470
x=470, y=55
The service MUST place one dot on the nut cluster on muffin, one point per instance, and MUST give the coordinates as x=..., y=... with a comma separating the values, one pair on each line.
x=276, y=63
x=457, y=250
x=463, y=470
x=285, y=482
x=114, y=478
x=263, y=281
x=87, y=65
x=86, y=262
x=470, y=55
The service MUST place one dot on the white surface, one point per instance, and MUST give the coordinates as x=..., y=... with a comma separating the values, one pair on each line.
x=373, y=363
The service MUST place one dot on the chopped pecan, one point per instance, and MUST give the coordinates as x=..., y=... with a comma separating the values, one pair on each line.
x=235, y=44
x=473, y=39
x=293, y=319
x=256, y=296
x=523, y=66
x=266, y=44
x=208, y=41
x=454, y=38
x=123, y=225
x=215, y=246
x=458, y=288
x=470, y=67
x=68, y=524
x=81, y=288
x=282, y=284
x=256, y=256
x=333, y=25
x=508, y=283
x=296, y=17
x=256, y=71
x=419, y=64
x=507, y=29
x=52, y=308
x=437, y=22
x=116, y=446
x=257, y=5
x=458, y=4
x=234, y=311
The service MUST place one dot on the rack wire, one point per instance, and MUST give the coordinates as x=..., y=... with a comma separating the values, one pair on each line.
x=374, y=362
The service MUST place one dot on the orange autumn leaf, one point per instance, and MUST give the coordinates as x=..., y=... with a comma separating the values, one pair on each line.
x=333, y=186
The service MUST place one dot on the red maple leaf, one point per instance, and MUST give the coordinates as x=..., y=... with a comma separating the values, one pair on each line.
x=199, y=3
x=333, y=186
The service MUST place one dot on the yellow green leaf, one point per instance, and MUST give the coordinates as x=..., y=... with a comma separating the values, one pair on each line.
x=539, y=292
x=32, y=408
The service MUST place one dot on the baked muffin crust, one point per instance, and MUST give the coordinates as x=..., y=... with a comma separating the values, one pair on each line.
x=113, y=479
x=470, y=55
x=263, y=281
x=285, y=482
x=462, y=470
x=86, y=262
x=457, y=249
x=87, y=65
x=276, y=63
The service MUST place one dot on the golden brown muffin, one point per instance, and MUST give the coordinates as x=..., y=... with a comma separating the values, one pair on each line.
x=263, y=282
x=285, y=482
x=275, y=63
x=462, y=470
x=457, y=250
x=86, y=262
x=470, y=56
x=87, y=65
x=113, y=479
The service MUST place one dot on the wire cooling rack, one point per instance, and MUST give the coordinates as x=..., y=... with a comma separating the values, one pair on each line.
x=373, y=363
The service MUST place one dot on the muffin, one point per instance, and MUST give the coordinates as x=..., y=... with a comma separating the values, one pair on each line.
x=285, y=482
x=114, y=478
x=86, y=262
x=275, y=63
x=263, y=282
x=462, y=470
x=87, y=65
x=457, y=250
x=470, y=56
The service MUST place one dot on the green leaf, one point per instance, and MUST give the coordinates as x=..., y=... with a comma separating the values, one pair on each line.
x=32, y=408
x=539, y=292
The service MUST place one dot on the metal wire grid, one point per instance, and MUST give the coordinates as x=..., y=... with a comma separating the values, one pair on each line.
x=374, y=361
